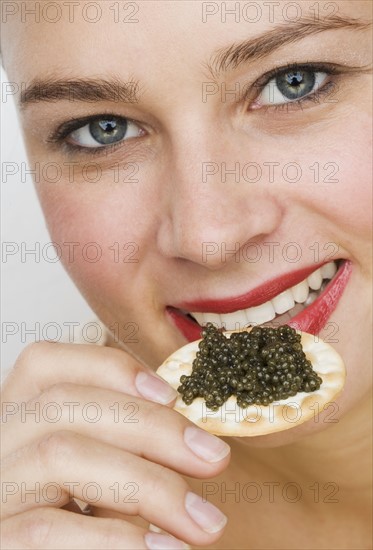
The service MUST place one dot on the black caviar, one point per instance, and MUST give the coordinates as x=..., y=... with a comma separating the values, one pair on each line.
x=259, y=367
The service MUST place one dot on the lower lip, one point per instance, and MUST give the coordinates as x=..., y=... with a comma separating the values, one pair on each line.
x=312, y=319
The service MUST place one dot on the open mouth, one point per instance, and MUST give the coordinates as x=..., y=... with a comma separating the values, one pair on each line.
x=305, y=301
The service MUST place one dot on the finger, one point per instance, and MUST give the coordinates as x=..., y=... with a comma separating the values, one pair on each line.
x=66, y=465
x=55, y=529
x=132, y=424
x=45, y=364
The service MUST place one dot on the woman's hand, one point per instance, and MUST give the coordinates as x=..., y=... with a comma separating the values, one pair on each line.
x=92, y=423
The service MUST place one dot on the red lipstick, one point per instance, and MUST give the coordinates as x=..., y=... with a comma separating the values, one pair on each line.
x=312, y=319
x=254, y=297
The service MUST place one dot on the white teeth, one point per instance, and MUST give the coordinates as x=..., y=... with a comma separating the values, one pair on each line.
x=280, y=304
x=238, y=319
x=261, y=314
x=229, y=320
x=283, y=302
x=315, y=280
x=203, y=318
x=300, y=292
x=212, y=318
x=329, y=270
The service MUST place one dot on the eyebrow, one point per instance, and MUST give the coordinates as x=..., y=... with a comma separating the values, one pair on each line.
x=89, y=90
x=231, y=57
x=54, y=89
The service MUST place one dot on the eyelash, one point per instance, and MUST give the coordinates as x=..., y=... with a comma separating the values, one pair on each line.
x=71, y=149
x=328, y=68
x=322, y=92
x=59, y=136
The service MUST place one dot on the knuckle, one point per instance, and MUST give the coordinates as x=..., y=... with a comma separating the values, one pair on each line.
x=24, y=360
x=155, y=416
x=55, y=449
x=57, y=393
x=114, y=359
x=31, y=356
x=164, y=479
x=113, y=534
x=33, y=352
x=35, y=529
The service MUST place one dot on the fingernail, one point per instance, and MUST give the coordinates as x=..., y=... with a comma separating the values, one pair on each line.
x=205, y=514
x=156, y=541
x=205, y=445
x=154, y=388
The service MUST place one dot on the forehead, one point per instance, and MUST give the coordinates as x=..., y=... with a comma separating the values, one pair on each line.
x=90, y=38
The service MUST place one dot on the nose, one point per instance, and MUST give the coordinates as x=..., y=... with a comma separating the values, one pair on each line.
x=211, y=211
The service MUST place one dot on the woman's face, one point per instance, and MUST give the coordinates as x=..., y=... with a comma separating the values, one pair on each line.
x=229, y=182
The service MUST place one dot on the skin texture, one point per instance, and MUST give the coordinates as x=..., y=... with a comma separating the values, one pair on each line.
x=169, y=212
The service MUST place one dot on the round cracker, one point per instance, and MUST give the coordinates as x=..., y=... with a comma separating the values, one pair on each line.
x=232, y=420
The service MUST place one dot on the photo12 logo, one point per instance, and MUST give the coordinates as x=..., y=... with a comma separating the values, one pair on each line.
x=270, y=172
x=55, y=493
x=30, y=11
x=289, y=412
x=271, y=492
x=253, y=12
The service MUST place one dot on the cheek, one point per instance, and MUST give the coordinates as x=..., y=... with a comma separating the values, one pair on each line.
x=349, y=198
x=335, y=181
x=100, y=231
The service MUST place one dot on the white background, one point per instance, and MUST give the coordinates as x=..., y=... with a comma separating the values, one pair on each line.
x=33, y=290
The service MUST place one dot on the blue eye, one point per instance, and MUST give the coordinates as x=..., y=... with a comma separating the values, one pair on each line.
x=103, y=131
x=291, y=85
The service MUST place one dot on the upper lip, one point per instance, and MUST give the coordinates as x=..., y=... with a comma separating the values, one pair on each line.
x=259, y=295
